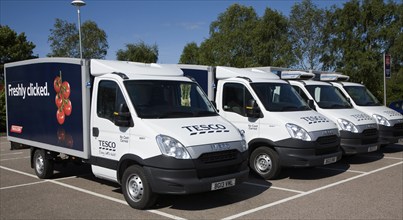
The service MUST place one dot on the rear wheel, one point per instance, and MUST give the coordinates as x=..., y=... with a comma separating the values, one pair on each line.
x=43, y=167
x=264, y=161
x=136, y=188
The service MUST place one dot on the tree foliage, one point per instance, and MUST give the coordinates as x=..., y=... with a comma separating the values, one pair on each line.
x=358, y=35
x=13, y=47
x=306, y=22
x=139, y=52
x=64, y=40
x=190, y=54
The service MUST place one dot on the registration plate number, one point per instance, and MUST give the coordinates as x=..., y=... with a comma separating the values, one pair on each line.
x=330, y=160
x=372, y=148
x=223, y=184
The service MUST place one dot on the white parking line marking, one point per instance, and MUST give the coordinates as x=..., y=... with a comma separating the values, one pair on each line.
x=273, y=187
x=308, y=192
x=20, y=185
x=93, y=193
x=11, y=153
x=343, y=170
x=15, y=158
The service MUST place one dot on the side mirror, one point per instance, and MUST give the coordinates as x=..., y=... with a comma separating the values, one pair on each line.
x=252, y=109
x=123, y=118
x=311, y=104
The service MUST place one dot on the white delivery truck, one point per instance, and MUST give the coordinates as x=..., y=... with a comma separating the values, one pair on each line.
x=145, y=126
x=281, y=130
x=358, y=131
x=390, y=122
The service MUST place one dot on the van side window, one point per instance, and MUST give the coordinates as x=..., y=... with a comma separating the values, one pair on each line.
x=235, y=97
x=109, y=99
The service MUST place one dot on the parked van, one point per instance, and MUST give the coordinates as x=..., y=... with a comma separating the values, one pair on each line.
x=280, y=128
x=389, y=121
x=358, y=131
x=145, y=126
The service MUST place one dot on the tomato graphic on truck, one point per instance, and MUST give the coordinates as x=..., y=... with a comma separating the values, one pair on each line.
x=62, y=101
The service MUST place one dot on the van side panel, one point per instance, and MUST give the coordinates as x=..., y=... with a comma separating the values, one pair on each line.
x=32, y=110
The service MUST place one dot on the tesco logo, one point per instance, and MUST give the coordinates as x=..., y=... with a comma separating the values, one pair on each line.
x=205, y=129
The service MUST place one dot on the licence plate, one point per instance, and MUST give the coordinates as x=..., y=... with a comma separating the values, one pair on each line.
x=372, y=148
x=223, y=184
x=330, y=160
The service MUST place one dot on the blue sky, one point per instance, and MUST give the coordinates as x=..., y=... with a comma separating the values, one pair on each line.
x=167, y=23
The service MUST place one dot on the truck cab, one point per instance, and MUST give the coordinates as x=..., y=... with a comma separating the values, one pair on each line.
x=389, y=121
x=280, y=128
x=358, y=131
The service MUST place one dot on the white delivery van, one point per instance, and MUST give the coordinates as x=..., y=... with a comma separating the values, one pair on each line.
x=145, y=126
x=281, y=130
x=358, y=131
x=390, y=122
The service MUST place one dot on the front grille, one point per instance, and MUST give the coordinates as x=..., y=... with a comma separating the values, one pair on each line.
x=218, y=156
x=370, y=132
x=398, y=130
x=398, y=126
x=325, y=140
x=219, y=163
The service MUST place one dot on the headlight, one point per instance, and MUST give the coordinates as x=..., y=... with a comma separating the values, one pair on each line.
x=298, y=132
x=381, y=120
x=171, y=147
x=347, y=125
x=243, y=141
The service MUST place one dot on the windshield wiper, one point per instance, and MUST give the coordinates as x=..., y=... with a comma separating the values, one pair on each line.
x=175, y=114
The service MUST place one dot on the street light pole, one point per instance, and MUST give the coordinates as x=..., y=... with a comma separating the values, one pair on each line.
x=78, y=4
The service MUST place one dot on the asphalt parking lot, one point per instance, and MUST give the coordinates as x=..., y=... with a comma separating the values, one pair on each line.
x=368, y=186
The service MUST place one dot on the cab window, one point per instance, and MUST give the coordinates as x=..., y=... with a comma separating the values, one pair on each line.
x=109, y=99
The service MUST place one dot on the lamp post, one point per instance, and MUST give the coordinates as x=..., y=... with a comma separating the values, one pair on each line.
x=78, y=4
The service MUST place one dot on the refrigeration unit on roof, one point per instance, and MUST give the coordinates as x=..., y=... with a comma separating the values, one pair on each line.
x=333, y=77
x=296, y=74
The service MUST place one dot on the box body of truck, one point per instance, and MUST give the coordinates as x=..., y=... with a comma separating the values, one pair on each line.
x=313, y=140
x=32, y=112
x=145, y=126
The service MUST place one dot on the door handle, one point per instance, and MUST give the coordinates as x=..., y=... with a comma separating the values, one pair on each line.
x=95, y=132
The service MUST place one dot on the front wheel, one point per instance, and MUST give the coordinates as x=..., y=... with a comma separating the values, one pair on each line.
x=264, y=161
x=136, y=189
x=43, y=167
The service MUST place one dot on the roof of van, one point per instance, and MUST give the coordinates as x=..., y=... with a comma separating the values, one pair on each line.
x=101, y=67
x=223, y=72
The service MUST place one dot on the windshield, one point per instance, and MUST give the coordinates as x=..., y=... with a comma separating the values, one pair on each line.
x=328, y=97
x=279, y=97
x=168, y=99
x=362, y=96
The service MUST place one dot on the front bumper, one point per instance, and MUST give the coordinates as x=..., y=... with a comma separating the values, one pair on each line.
x=199, y=178
x=358, y=143
x=390, y=135
x=298, y=153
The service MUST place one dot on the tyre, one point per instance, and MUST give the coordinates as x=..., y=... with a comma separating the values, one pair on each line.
x=136, y=188
x=43, y=167
x=264, y=161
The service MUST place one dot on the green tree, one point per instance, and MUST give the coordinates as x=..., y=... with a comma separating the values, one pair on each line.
x=272, y=45
x=64, y=40
x=13, y=47
x=230, y=41
x=357, y=35
x=139, y=52
x=306, y=24
x=190, y=54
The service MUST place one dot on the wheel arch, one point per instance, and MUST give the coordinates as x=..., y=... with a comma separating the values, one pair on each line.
x=126, y=161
